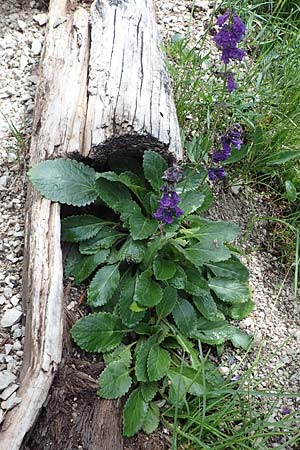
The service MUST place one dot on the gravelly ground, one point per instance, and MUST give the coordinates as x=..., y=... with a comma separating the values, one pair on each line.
x=276, y=317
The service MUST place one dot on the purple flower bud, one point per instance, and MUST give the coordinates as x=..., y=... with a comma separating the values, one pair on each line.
x=232, y=30
x=231, y=84
x=173, y=174
x=216, y=172
x=222, y=19
x=285, y=411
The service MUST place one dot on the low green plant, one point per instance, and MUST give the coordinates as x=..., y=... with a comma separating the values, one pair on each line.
x=158, y=288
x=20, y=146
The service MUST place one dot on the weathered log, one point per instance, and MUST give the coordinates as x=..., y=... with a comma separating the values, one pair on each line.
x=130, y=106
x=58, y=129
x=123, y=106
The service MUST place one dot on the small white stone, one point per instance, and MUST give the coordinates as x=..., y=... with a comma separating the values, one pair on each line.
x=17, y=345
x=21, y=24
x=41, y=19
x=11, y=157
x=11, y=316
x=4, y=180
x=12, y=401
x=14, y=300
x=7, y=292
x=36, y=47
x=1, y=416
x=2, y=300
x=8, y=348
x=9, y=391
x=6, y=378
x=17, y=333
x=224, y=370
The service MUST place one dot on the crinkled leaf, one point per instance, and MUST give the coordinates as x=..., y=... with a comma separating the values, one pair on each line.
x=230, y=291
x=151, y=421
x=191, y=380
x=149, y=390
x=191, y=201
x=238, y=337
x=81, y=266
x=64, y=181
x=103, y=285
x=192, y=180
x=231, y=268
x=120, y=353
x=206, y=305
x=158, y=363
x=140, y=226
x=134, y=413
x=184, y=316
x=147, y=292
x=179, y=279
x=203, y=252
x=133, y=251
x=105, y=238
x=154, y=166
x=114, y=381
x=209, y=231
x=165, y=307
x=163, y=269
x=240, y=311
x=80, y=228
x=99, y=332
x=128, y=316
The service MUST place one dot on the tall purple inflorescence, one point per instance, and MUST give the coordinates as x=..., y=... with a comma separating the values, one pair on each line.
x=168, y=209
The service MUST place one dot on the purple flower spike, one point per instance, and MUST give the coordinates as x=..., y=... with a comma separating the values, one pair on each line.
x=216, y=172
x=285, y=411
x=222, y=19
x=232, y=30
x=231, y=84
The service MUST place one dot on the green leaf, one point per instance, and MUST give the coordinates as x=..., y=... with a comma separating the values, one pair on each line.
x=212, y=231
x=147, y=292
x=149, y=390
x=192, y=180
x=165, y=307
x=179, y=279
x=230, y=291
x=195, y=284
x=290, y=191
x=191, y=201
x=239, y=338
x=81, y=267
x=184, y=316
x=142, y=352
x=114, y=381
x=134, y=413
x=206, y=305
x=64, y=181
x=103, y=285
x=203, y=252
x=120, y=353
x=114, y=194
x=231, y=268
x=105, y=238
x=128, y=316
x=99, y=332
x=240, y=311
x=133, y=251
x=154, y=166
x=140, y=226
x=191, y=380
x=151, y=421
x=281, y=157
x=163, y=269
x=158, y=363
x=237, y=155
x=80, y=228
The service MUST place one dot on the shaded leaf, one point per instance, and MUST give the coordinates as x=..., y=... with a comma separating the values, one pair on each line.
x=142, y=352
x=133, y=251
x=149, y=390
x=231, y=268
x=191, y=201
x=163, y=269
x=151, y=421
x=114, y=194
x=140, y=226
x=154, y=166
x=179, y=279
x=230, y=291
x=128, y=316
x=184, y=316
x=105, y=238
x=165, y=307
x=80, y=228
x=80, y=266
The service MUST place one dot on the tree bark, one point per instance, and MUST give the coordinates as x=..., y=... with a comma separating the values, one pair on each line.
x=130, y=106
x=58, y=130
x=112, y=96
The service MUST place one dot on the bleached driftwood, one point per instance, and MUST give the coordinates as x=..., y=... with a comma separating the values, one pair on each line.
x=123, y=106
x=130, y=106
x=58, y=129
